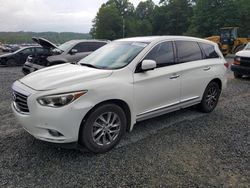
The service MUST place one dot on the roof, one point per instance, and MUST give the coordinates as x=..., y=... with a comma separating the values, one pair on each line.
x=89, y=40
x=160, y=38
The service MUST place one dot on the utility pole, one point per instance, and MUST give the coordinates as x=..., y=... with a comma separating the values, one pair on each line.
x=123, y=23
x=123, y=27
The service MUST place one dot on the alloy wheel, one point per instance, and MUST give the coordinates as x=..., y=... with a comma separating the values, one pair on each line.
x=106, y=128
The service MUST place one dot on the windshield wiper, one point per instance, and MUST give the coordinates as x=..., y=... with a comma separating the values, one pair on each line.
x=89, y=65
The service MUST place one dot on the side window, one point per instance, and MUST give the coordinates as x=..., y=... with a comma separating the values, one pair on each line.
x=208, y=50
x=188, y=51
x=41, y=51
x=81, y=47
x=92, y=46
x=27, y=51
x=163, y=54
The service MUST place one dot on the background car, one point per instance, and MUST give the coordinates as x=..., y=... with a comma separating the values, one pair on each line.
x=241, y=65
x=18, y=57
x=71, y=51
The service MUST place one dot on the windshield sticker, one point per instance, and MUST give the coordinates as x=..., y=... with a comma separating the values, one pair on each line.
x=139, y=44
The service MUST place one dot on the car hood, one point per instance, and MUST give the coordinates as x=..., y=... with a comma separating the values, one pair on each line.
x=44, y=43
x=6, y=55
x=62, y=76
x=243, y=53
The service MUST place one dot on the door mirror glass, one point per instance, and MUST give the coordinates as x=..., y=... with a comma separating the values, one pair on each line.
x=73, y=51
x=148, y=65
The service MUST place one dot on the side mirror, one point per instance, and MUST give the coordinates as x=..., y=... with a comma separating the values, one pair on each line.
x=73, y=51
x=147, y=65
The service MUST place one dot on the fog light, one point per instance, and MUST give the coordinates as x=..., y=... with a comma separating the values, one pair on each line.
x=54, y=133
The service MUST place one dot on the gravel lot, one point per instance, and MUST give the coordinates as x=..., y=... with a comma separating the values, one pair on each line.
x=181, y=149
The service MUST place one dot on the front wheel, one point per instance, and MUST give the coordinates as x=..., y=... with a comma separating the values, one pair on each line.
x=103, y=128
x=210, y=98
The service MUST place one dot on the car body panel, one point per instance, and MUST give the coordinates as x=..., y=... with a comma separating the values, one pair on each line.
x=244, y=67
x=147, y=94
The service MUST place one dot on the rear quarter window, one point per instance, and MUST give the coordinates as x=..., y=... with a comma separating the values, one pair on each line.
x=188, y=51
x=209, y=51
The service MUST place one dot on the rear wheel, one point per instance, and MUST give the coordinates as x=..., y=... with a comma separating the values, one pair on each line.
x=237, y=75
x=103, y=128
x=210, y=98
x=11, y=63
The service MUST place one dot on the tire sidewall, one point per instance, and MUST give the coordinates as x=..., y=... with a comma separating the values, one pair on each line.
x=203, y=105
x=85, y=135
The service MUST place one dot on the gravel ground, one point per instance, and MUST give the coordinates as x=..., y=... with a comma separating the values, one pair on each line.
x=181, y=149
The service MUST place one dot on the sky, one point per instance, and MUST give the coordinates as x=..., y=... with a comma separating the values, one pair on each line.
x=50, y=15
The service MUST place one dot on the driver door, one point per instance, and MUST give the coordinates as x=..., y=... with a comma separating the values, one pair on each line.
x=158, y=91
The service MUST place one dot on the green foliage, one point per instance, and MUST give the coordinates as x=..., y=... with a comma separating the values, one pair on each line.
x=244, y=16
x=210, y=15
x=172, y=17
x=108, y=23
x=26, y=37
x=200, y=18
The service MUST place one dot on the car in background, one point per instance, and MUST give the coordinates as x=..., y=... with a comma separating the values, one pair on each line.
x=93, y=102
x=18, y=57
x=241, y=65
x=71, y=51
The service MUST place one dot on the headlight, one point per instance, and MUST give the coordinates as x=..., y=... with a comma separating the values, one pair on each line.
x=237, y=58
x=60, y=100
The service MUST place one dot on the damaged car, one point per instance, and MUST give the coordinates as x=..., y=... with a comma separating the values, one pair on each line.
x=71, y=51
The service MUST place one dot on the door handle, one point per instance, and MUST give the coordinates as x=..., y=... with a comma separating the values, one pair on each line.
x=206, y=68
x=174, y=76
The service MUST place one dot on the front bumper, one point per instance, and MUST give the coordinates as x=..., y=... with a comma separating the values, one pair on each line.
x=30, y=67
x=243, y=70
x=40, y=120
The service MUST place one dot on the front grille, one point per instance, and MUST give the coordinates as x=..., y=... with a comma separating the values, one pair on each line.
x=20, y=102
x=245, y=61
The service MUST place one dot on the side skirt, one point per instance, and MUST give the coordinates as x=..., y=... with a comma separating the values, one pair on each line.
x=167, y=109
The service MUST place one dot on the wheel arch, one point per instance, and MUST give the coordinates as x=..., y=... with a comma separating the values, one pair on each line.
x=218, y=81
x=118, y=102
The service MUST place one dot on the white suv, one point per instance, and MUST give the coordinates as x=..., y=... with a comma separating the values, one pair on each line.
x=94, y=102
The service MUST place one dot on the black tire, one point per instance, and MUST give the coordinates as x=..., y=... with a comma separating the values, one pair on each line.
x=11, y=63
x=88, y=130
x=237, y=75
x=210, y=98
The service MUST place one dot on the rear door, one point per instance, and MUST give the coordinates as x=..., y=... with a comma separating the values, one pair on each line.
x=196, y=70
x=159, y=89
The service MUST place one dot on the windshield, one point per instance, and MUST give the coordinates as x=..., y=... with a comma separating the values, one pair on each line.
x=65, y=46
x=114, y=55
x=247, y=46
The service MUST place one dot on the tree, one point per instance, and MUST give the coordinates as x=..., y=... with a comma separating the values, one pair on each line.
x=244, y=17
x=143, y=19
x=172, y=17
x=210, y=15
x=108, y=22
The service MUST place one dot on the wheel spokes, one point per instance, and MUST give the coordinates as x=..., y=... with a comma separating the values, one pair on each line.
x=106, y=128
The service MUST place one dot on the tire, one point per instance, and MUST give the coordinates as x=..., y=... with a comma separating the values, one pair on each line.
x=237, y=75
x=99, y=136
x=11, y=63
x=210, y=98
